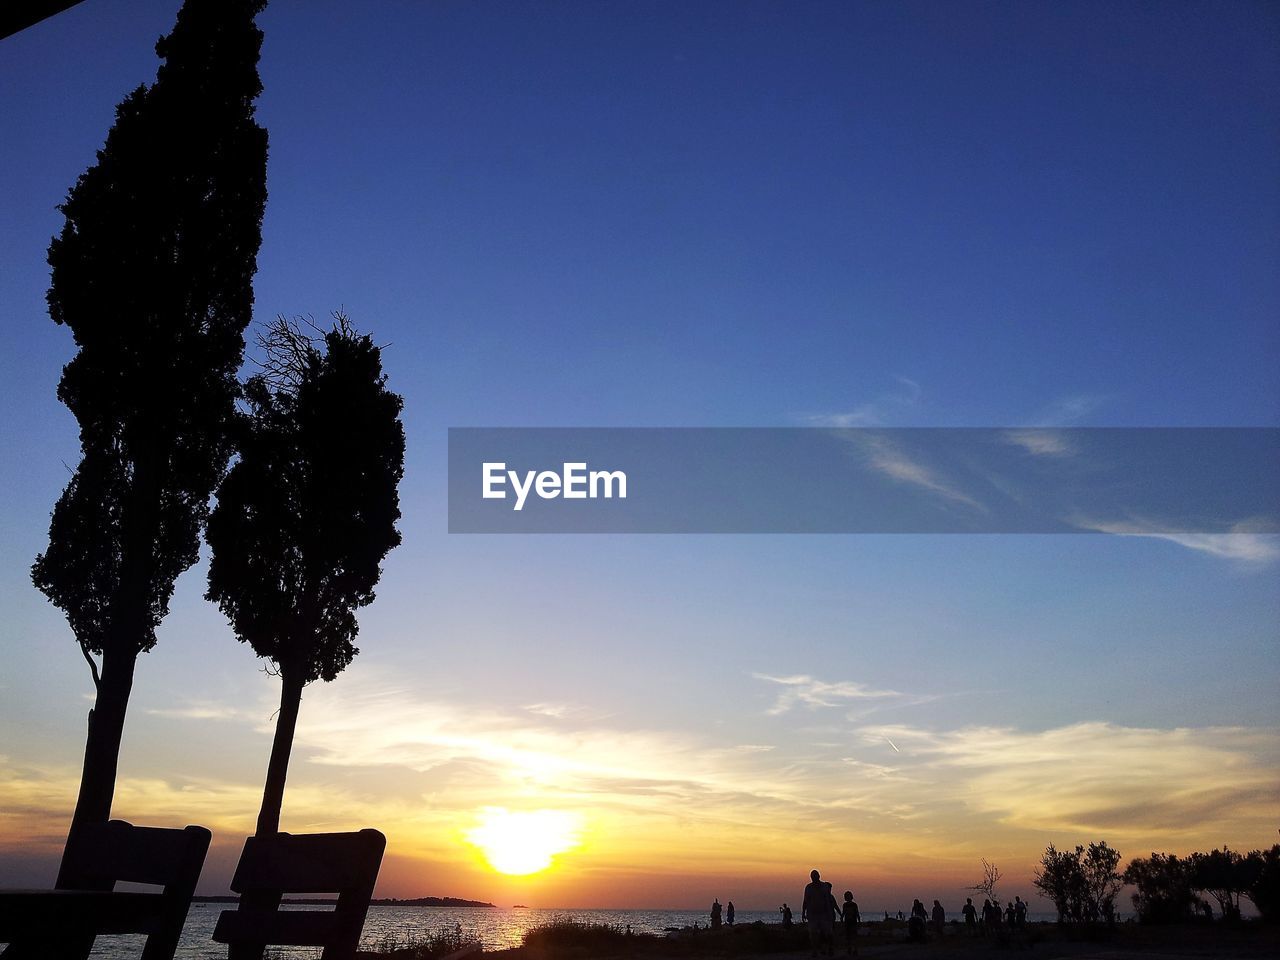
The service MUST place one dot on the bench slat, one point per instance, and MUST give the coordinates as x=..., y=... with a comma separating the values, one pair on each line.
x=292, y=928
x=33, y=913
x=308, y=863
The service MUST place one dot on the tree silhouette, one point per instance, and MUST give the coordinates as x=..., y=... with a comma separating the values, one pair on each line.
x=990, y=877
x=1264, y=891
x=306, y=514
x=1102, y=880
x=1224, y=874
x=152, y=272
x=1164, y=893
x=1082, y=883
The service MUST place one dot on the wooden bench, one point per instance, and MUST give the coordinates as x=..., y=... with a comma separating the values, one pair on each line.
x=63, y=923
x=271, y=867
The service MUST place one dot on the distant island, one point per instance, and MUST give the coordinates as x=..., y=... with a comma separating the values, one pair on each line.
x=431, y=902
x=376, y=902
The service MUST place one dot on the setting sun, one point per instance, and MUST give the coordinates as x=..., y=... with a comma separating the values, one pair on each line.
x=523, y=842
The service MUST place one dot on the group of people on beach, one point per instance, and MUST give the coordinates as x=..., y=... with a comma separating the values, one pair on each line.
x=721, y=914
x=820, y=910
x=1013, y=917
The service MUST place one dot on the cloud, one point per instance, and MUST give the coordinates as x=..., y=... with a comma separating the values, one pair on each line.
x=1096, y=776
x=1069, y=410
x=199, y=710
x=1242, y=546
x=37, y=794
x=1041, y=443
x=887, y=458
x=1245, y=547
x=567, y=712
x=371, y=753
x=803, y=689
x=878, y=412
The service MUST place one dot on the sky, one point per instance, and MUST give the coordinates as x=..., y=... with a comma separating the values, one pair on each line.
x=715, y=214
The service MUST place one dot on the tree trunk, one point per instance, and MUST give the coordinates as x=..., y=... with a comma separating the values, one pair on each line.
x=273, y=793
x=101, y=756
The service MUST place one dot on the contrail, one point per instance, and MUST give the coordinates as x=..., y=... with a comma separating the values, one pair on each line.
x=894, y=745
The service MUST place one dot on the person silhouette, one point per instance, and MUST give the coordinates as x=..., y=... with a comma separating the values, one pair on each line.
x=728, y=913
x=1019, y=912
x=851, y=920
x=786, y=917
x=970, y=915
x=818, y=909
x=939, y=917
x=715, y=915
x=917, y=922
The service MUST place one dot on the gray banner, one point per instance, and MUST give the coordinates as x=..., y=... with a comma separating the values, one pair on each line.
x=909, y=480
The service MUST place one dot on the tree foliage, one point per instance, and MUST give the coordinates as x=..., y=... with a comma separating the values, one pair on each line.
x=1264, y=890
x=1082, y=884
x=1164, y=890
x=152, y=273
x=309, y=510
x=1224, y=874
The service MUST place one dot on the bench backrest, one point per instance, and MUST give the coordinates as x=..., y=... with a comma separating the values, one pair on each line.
x=113, y=852
x=310, y=863
x=281, y=864
x=100, y=855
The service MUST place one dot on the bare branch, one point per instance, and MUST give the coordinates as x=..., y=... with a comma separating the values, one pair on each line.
x=93, y=667
x=990, y=877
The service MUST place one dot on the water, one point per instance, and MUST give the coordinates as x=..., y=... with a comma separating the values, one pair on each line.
x=495, y=927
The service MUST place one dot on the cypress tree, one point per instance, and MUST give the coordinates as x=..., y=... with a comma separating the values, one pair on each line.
x=152, y=273
x=306, y=515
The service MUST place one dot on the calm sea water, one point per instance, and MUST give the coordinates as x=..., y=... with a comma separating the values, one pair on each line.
x=494, y=927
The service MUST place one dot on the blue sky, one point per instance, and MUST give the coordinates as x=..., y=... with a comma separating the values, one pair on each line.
x=756, y=214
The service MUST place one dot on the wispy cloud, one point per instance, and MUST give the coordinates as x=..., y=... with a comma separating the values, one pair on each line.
x=1069, y=410
x=369, y=753
x=888, y=458
x=883, y=410
x=1096, y=776
x=807, y=691
x=200, y=710
x=1041, y=442
x=562, y=711
x=1242, y=546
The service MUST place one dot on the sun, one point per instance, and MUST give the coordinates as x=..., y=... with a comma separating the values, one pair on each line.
x=520, y=842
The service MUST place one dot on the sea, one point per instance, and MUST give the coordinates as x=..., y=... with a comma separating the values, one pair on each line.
x=494, y=927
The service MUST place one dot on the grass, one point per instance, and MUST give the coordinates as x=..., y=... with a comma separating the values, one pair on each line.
x=568, y=939
x=576, y=938
x=438, y=943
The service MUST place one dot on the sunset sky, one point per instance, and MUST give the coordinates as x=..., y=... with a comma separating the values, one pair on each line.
x=709, y=214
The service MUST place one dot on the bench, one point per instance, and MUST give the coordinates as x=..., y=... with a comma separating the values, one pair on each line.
x=63, y=923
x=272, y=866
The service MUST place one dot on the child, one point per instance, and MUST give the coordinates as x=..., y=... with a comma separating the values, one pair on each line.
x=851, y=918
